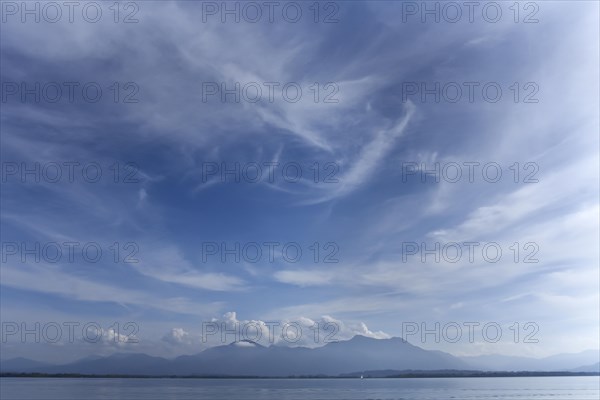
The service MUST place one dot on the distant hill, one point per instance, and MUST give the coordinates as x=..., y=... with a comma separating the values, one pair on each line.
x=588, y=368
x=559, y=362
x=21, y=365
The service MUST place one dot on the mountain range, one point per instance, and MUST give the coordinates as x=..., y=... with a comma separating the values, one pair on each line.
x=246, y=358
x=585, y=361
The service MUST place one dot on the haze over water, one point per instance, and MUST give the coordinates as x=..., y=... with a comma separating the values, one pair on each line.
x=540, y=388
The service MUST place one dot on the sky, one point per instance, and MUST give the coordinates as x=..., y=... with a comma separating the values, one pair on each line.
x=174, y=167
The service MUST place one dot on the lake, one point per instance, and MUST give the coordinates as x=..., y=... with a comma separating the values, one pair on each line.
x=539, y=388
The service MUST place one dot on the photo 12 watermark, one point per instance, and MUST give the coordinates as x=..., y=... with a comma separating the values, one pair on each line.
x=269, y=172
x=69, y=332
x=270, y=252
x=70, y=92
x=254, y=331
x=452, y=12
x=469, y=171
x=453, y=332
x=290, y=12
x=70, y=252
x=469, y=92
x=69, y=172
x=471, y=252
x=52, y=12
x=269, y=92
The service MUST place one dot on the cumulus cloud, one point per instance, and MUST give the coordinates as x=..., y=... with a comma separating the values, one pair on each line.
x=178, y=336
x=289, y=332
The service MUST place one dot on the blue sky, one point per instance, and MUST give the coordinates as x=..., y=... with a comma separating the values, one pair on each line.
x=170, y=136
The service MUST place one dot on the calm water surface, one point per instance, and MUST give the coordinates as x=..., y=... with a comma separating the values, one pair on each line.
x=573, y=388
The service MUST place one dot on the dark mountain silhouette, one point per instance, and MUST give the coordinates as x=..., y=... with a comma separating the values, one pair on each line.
x=251, y=359
x=332, y=359
x=382, y=357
